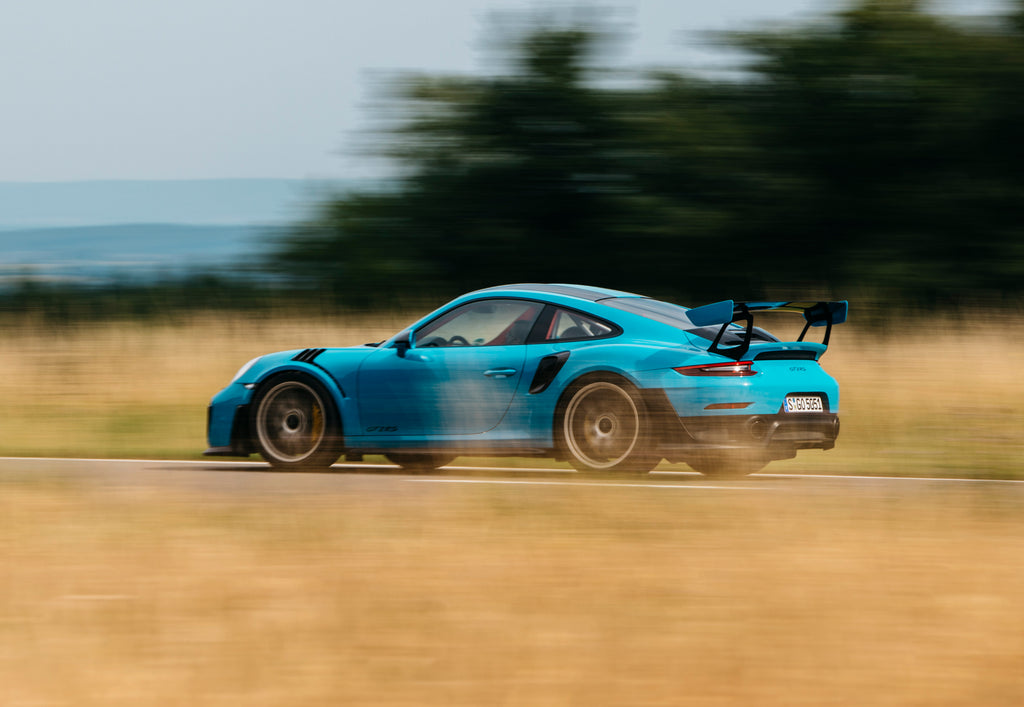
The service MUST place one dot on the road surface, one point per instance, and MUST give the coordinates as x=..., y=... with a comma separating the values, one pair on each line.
x=258, y=477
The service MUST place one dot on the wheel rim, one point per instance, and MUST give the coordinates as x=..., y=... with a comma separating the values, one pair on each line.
x=602, y=425
x=290, y=421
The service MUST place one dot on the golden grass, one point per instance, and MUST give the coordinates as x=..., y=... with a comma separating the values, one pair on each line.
x=436, y=594
x=940, y=397
x=141, y=388
x=263, y=590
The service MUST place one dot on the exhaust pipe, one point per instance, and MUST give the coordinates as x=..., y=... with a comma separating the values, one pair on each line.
x=758, y=428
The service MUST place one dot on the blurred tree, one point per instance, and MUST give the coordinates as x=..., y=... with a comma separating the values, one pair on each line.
x=511, y=177
x=878, y=150
x=893, y=139
x=539, y=173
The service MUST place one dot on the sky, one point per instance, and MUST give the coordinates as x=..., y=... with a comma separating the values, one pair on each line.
x=208, y=89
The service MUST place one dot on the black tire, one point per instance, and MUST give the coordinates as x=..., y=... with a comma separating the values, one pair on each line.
x=603, y=426
x=419, y=462
x=730, y=464
x=294, y=424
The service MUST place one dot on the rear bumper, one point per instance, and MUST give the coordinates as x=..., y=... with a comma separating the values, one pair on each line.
x=802, y=430
x=777, y=436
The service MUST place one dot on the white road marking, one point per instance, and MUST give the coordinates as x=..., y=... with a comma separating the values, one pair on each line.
x=864, y=477
x=240, y=462
x=534, y=470
x=521, y=482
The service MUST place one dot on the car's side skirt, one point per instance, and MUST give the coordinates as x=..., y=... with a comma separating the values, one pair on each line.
x=482, y=450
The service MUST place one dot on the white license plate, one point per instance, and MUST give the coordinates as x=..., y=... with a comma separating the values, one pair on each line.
x=804, y=403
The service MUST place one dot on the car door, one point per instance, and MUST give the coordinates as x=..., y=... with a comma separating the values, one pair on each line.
x=458, y=376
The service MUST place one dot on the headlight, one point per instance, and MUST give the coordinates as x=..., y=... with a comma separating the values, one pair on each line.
x=246, y=367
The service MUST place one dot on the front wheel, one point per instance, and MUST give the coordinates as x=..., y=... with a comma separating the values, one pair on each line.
x=295, y=425
x=603, y=427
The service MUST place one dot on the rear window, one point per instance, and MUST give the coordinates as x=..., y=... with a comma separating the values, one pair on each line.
x=671, y=314
x=675, y=316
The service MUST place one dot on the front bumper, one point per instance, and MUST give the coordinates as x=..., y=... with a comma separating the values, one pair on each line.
x=227, y=431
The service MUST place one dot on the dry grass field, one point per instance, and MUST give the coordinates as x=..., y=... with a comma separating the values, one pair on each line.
x=407, y=594
x=141, y=388
x=403, y=594
x=940, y=397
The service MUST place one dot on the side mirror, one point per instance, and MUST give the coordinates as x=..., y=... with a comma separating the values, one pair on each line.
x=403, y=344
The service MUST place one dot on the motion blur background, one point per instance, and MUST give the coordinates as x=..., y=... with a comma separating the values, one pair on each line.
x=868, y=151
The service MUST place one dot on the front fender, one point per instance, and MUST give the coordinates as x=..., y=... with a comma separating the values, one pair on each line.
x=320, y=375
x=228, y=417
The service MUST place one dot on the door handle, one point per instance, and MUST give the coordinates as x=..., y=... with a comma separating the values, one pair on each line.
x=500, y=372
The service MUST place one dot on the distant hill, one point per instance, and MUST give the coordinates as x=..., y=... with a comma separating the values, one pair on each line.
x=128, y=251
x=211, y=202
x=143, y=229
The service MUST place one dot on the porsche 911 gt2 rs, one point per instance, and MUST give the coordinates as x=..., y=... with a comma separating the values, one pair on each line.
x=606, y=380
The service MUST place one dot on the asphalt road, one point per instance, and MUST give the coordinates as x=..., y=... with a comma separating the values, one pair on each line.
x=258, y=477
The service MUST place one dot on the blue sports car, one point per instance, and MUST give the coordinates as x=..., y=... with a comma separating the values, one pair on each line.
x=608, y=381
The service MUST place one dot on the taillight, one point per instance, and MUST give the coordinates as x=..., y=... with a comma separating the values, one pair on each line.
x=731, y=369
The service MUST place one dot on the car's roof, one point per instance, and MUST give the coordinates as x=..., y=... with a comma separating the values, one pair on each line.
x=584, y=292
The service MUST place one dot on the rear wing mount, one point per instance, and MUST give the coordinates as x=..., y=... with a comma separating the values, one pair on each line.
x=728, y=312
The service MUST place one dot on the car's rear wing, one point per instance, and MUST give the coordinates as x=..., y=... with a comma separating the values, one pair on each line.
x=727, y=312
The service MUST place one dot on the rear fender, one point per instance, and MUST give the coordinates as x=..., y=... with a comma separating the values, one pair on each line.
x=595, y=360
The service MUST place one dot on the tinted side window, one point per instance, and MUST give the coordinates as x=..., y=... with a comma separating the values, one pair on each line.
x=492, y=322
x=567, y=325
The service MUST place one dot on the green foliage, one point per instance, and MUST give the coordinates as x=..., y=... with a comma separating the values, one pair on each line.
x=894, y=140
x=876, y=152
x=59, y=303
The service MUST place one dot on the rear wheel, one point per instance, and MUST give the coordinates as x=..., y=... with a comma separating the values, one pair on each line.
x=295, y=425
x=603, y=425
x=419, y=462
